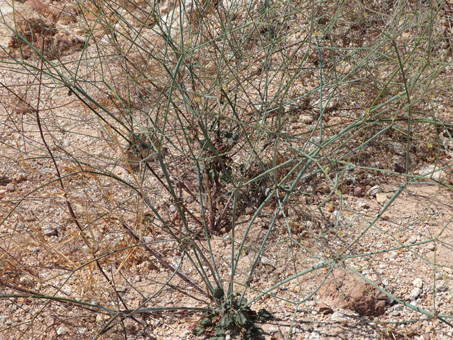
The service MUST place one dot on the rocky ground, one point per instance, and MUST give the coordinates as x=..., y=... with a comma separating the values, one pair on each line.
x=374, y=250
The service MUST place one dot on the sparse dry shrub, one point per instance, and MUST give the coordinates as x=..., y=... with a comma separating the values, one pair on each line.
x=198, y=148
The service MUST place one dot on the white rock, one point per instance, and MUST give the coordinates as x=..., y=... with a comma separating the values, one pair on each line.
x=49, y=231
x=418, y=283
x=147, y=239
x=440, y=286
x=413, y=239
x=101, y=318
x=309, y=224
x=306, y=119
x=363, y=205
x=415, y=293
x=337, y=316
x=266, y=261
x=82, y=330
x=314, y=336
x=433, y=172
x=62, y=330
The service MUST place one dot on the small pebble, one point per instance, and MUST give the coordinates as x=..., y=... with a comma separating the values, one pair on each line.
x=442, y=288
x=306, y=119
x=363, y=205
x=381, y=197
x=266, y=261
x=358, y=192
x=337, y=316
x=415, y=293
x=398, y=148
x=314, y=336
x=273, y=330
x=50, y=231
x=10, y=187
x=418, y=283
x=62, y=330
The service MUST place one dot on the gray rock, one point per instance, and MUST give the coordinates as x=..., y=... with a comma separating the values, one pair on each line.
x=10, y=187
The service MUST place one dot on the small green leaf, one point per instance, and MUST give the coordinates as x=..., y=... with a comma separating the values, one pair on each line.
x=198, y=330
x=219, y=331
x=240, y=319
x=217, y=338
x=206, y=323
x=225, y=321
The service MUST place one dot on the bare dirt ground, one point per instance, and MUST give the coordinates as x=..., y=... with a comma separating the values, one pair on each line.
x=405, y=249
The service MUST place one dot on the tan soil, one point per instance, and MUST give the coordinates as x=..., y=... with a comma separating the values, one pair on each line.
x=41, y=249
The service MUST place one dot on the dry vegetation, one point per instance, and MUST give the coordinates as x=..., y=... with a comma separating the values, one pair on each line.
x=152, y=153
